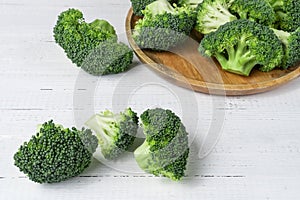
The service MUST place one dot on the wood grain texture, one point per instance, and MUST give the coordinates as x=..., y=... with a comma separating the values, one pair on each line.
x=186, y=67
x=256, y=158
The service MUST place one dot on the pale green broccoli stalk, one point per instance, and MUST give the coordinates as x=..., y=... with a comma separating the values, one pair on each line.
x=212, y=14
x=115, y=132
x=191, y=3
x=291, y=42
x=165, y=150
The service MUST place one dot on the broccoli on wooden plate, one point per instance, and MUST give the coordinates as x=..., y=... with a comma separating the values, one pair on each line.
x=163, y=26
x=259, y=11
x=291, y=44
x=211, y=14
x=241, y=45
x=287, y=14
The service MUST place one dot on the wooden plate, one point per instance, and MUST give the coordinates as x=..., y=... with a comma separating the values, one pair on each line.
x=187, y=68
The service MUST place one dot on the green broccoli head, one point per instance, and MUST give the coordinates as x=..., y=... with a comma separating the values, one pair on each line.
x=108, y=57
x=163, y=26
x=255, y=10
x=211, y=14
x=165, y=150
x=242, y=44
x=77, y=37
x=291, y=42
x=139, y=5
x=55, y=153
x=287, y=14
x=115, y=132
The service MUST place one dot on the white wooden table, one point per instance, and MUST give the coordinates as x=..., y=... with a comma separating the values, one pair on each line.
x=257, y=154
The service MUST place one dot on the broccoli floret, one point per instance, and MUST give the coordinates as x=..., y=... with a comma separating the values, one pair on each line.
x=254, y=10
x=77, y=37
x=240, y=45
x=55, y=153
x=287, y=14
x=115, y=132
x=291, y=42
x=212, y=14
x=165, y=150
x=163, y=26
x=108, y=57
x=191, y=3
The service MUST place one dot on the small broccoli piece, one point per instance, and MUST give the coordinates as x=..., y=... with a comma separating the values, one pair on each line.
x=139, y=5
x=191, y=3
x=240, y=45
x=115, y=132
x=291, y=42
x=77, y=37
x=212, y=14
x=253, y=10
x=108, y=57
x=163, y=26
x=287, y=14
x=165, y=150
x=55, y=153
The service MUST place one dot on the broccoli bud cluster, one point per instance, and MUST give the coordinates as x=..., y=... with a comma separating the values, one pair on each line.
x=91, y=46
x=56, y=153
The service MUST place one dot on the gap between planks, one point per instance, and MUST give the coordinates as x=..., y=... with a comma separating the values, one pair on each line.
x=143, y=176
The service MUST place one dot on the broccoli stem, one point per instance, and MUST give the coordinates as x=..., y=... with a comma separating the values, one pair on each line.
x=143, y=156
x=282, y=35
x=160, y=7
x=281, y=14
x=244, y=15
x=193, y=3
x=219, y=8
x=239, y=60
x=277, y=4
x=103, y=127
x=217, y=16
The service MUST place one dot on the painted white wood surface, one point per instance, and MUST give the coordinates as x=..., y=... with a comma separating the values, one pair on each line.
x=257, y=155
